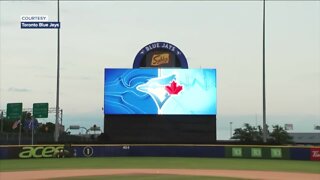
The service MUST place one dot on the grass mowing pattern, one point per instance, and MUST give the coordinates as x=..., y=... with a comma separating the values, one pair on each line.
x=161, y=162
x=148, y=177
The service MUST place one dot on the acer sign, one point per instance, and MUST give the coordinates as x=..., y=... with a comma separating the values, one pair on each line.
x=160, y=91
x=39, y=151
x=315, y=154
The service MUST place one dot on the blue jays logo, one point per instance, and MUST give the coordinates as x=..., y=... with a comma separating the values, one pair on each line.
x=159, y=90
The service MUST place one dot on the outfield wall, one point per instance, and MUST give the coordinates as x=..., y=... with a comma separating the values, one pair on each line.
x=217, y=151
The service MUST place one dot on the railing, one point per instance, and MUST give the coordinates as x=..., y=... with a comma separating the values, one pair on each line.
x=44, y=138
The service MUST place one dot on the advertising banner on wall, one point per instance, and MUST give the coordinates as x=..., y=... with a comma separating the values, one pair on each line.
x=315, y=154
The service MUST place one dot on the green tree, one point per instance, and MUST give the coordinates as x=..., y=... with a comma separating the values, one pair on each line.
x=248, y=134
x=47, y=128
x=260, y=133
x=279, y=136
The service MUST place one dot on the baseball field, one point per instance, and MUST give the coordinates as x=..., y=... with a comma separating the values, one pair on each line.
x=158, y=168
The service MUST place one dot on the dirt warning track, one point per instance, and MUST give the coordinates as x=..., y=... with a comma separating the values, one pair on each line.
x=267, y=175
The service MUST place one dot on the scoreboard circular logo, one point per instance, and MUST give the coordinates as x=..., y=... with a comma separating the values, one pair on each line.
x=87, y=151
x=160, y=54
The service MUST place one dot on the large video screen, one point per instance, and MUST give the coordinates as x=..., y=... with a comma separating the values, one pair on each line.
x=160, y=91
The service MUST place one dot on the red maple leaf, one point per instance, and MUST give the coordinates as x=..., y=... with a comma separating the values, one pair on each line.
x=173, y=88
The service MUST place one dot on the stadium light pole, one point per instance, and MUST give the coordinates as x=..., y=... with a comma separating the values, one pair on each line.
x=56, y=131
x=230, y=130
x=264, y=78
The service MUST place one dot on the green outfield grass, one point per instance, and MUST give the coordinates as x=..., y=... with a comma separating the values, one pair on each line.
x=161, y=162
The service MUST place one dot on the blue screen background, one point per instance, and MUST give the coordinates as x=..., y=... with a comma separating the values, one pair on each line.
x=143, y=91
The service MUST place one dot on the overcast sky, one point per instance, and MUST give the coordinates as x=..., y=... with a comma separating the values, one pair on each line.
x=216, y=34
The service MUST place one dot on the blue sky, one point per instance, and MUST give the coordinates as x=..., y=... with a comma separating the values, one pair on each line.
x=212, y=34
